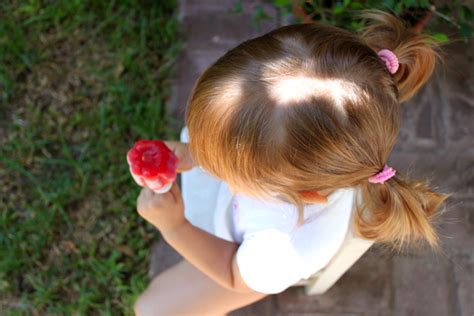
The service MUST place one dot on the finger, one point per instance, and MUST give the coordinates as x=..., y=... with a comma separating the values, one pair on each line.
x=176, y=192
x=157, y=197
x=142, y=200
x=152, y=198
x=142, y=194
x=148, y=192
x=183, y=161
x=172, y=146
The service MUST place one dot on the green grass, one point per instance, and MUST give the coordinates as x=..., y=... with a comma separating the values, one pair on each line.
x=80, y=82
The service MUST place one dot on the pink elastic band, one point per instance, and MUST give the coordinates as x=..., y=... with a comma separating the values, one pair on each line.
x=383, y=175
x=390, y=60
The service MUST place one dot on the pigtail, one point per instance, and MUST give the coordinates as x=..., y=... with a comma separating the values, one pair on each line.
x=416, y=53
x=399, y=212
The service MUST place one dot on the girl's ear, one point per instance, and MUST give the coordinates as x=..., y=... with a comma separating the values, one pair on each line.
x=313, y=197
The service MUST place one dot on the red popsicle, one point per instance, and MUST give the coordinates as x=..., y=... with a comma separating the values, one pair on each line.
x=153, y=165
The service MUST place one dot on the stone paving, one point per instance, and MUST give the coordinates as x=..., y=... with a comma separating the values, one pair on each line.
x=436, y=143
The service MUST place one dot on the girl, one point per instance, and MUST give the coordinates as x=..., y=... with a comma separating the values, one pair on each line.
x=298, y=124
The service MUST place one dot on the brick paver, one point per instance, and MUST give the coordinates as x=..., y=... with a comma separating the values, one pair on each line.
x=436, y=143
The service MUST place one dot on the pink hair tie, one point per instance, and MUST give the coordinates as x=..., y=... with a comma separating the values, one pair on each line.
x=390, y=60
x=383, y=175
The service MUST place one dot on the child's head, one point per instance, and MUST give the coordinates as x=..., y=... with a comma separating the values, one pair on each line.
x=311, y=107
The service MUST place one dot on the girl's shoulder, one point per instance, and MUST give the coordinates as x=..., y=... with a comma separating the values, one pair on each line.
x=253, y=214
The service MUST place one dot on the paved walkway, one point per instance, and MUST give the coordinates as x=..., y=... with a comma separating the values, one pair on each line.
x=436, y=142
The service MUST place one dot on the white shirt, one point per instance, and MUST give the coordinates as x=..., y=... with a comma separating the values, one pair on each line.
x=274, y=253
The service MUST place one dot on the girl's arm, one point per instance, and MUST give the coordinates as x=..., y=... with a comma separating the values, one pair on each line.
x=210, y=254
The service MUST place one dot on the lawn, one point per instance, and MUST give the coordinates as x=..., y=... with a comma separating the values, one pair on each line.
x=80, y=82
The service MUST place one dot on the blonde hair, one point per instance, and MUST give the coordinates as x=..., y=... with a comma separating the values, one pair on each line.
x=311, y=107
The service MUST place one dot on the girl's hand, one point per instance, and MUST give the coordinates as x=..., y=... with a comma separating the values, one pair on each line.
x=164, y=211
x=181, y=150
